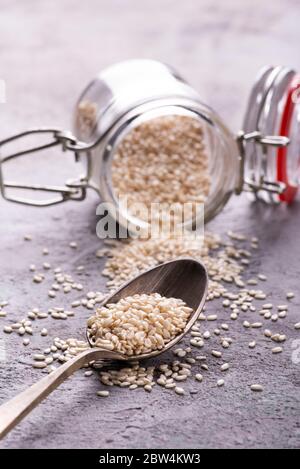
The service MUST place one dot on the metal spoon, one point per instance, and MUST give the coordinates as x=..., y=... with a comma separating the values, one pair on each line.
x=182, y=278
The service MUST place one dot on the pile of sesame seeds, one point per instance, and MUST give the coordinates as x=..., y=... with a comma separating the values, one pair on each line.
x=211, y=337
x=138, y=324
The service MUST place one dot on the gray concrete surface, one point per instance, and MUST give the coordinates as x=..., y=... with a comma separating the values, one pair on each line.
x=49, y=51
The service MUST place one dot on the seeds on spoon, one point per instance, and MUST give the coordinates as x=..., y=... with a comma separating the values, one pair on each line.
x=138, y=324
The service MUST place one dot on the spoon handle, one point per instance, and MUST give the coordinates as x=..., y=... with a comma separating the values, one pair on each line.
x=13, y=411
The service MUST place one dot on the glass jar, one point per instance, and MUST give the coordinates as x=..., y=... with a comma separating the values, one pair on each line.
x=262, y=159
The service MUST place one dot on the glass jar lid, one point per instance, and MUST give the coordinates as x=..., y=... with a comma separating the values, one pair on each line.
x=270, y=137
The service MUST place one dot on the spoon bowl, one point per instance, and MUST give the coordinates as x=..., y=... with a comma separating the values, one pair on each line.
x=183, y=278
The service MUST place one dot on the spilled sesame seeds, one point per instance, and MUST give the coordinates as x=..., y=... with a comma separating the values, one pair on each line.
x=226, y=267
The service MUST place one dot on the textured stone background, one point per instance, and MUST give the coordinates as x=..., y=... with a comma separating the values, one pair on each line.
x=49, y=51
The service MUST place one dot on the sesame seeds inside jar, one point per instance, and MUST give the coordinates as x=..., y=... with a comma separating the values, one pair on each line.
x=163, y=160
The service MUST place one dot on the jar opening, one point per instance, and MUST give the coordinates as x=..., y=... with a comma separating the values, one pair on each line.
x=160, y=167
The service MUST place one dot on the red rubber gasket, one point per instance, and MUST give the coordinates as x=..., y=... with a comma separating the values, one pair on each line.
x=282, y=174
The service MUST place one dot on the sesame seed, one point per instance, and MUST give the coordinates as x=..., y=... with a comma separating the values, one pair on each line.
x=220, y=382
x=256, y=387
x=16, y=325
x=256, y=325
x=282, y=307
x=260, y=296
x=75, y=304
x=37, y=278
x=199, y=377
x=7, y=329
x=277, y=350
x=201, y=357
x=197, y=343
x=252, y=344
x=206, y=335
x=224, y=367
x=252, y=281
x=103, y=393
x=262, y=277
x=282, y=314
x=216, y=353
x=179, y=391
x=40, y=365
x=196, y=334
x=290, y=295
x=190, y=360
x=212, y=317
x=39, y=357
x=41, y=315
x=297, y=325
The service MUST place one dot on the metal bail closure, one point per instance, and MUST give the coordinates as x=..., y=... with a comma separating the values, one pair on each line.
x=278, y=141
x=73, y=190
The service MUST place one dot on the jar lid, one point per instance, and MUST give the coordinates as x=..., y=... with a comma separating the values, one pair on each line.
x=288, y=158
x=270, y=143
